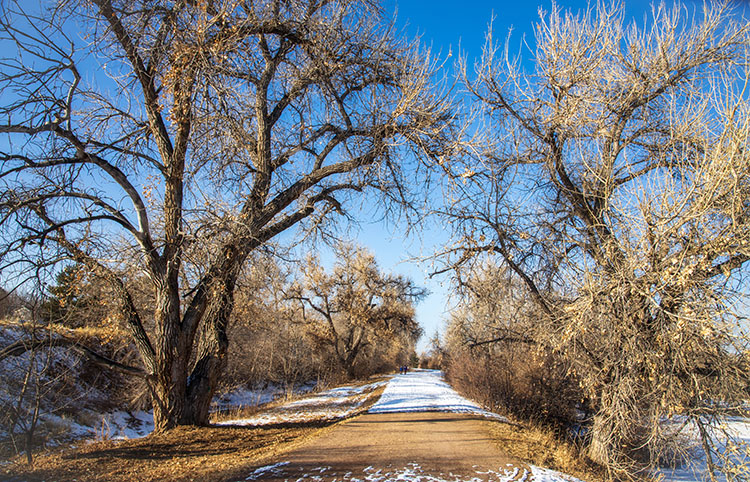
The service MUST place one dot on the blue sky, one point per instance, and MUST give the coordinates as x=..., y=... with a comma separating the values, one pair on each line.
x=446, y=25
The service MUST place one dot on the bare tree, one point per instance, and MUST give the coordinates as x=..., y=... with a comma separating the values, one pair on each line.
x=9, y=303
x=36, y=384
x=268, y=340
x=493, y=352
x=492, y=307
x=614, y=184
x=357, y=308
x=135, y=131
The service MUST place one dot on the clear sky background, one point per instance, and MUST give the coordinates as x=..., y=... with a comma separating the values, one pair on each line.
x=459, y=26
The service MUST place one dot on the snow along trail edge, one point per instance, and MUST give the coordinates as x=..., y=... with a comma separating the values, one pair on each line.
x=425, y=391
x=419, y=430
x=411, y=472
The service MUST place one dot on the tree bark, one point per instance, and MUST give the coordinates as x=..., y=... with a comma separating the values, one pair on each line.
x=211, y=356
x=172, y=356
x=601, y=445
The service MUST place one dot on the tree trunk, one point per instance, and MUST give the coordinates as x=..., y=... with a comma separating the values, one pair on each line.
x=172, y=356
x=168, y=402
x=211, y=356
x=348, y=362
x=205, y=376
x=602, y=441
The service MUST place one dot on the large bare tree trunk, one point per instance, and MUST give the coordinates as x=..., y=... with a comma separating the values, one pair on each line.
x=211, y=356
x=168, y=403
x=204, y=379
x=171, y=363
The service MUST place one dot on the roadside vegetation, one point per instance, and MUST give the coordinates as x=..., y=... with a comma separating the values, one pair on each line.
x=186, y=453
x=602, y=235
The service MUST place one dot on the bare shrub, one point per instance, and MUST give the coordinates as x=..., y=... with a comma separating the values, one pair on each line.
x=523, y=384
x=47, y=387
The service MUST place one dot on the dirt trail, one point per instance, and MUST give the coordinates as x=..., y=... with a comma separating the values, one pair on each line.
x=425, y=446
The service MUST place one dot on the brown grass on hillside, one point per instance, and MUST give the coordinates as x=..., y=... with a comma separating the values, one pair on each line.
x=186, y=453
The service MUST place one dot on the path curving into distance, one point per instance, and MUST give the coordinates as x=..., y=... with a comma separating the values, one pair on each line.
x=419, y=430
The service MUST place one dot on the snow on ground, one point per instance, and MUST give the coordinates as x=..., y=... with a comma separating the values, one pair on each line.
x=696, y=470
x=412, y=472
x=126, y=425
x=333, y=404
x=425, y=391
x=118, y=425
x=67, y=403
x=260, y=395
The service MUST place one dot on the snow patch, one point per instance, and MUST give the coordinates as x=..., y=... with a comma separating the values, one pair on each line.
x=425, y=391
x=333, y=404
x=127, y=425
x=274, y=469
x=256, y=396
x=547, y=475
x=411, y=472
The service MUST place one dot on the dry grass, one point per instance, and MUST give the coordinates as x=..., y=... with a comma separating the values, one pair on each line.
x=541, y=447
x=186, y=453
x=189, y=453
x=97, y=333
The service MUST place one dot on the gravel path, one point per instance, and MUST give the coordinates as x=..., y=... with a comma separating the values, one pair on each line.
x=446, y=443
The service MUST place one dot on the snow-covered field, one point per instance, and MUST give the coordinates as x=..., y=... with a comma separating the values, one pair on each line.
x=425, y=391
